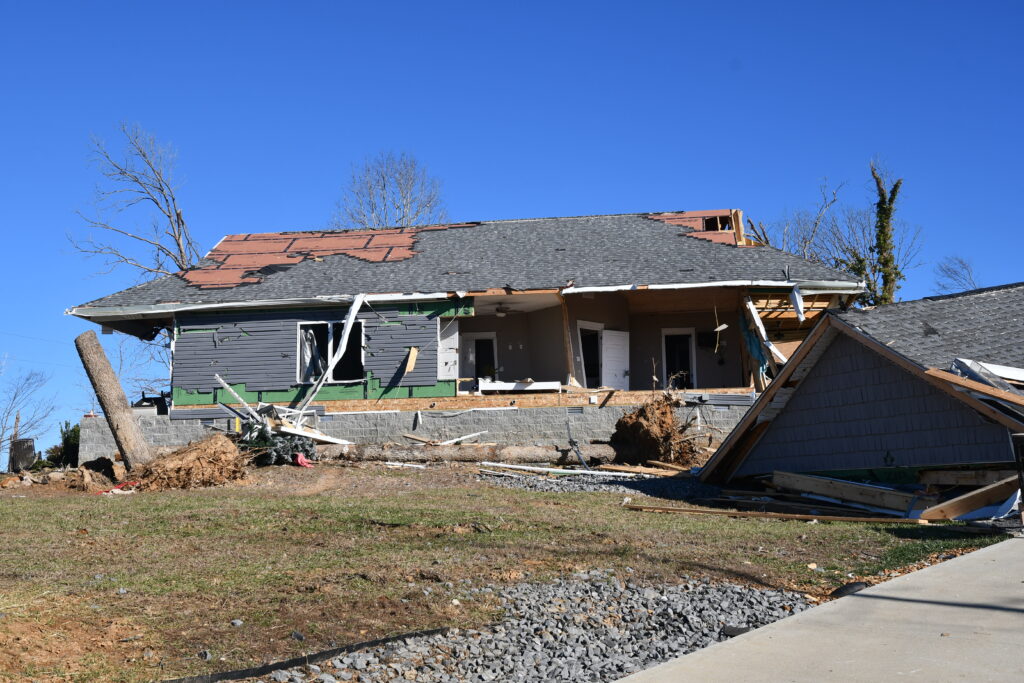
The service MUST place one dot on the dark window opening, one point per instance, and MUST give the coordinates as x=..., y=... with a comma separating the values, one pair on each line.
x=590, y=340
x=319, y=344
x=717, y=223
x=351, y=364
x=678, y=370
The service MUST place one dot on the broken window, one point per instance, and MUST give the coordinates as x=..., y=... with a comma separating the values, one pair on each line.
x=717, y=223
x=319, y=345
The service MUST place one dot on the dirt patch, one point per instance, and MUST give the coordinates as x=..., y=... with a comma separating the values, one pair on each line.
x=652, y=432
x=214, y=461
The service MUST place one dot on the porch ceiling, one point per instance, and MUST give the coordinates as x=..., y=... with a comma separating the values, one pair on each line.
x=515, y=303
x=725, y=299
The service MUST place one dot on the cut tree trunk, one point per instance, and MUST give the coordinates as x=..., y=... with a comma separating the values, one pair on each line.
x=127, y=434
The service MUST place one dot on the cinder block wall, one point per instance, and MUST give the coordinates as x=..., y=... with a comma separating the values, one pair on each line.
x=519, y=427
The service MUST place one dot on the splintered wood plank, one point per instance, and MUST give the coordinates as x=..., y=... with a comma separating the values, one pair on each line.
x=775, y=515
x=969, y=502
x=849, y=491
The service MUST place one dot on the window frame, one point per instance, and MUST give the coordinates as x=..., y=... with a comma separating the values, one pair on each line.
x=330, y=345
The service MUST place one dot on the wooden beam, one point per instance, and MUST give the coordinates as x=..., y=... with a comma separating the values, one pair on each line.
x=850, y=492
x=724, y=457
x=1002, y=395
x=963, y=477
x=774, y=515
x=969, y=502
x=570, y=368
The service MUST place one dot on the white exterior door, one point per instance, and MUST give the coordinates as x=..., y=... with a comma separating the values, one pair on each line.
x=615, y=359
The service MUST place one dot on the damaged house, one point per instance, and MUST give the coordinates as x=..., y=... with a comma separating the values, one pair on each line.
x=512, y=314
x=914, y=390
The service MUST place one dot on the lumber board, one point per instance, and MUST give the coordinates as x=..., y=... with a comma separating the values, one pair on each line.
x=994, y=392
x=849, y=491
x=775, y=515
x=961, y=505
x=963, y=477
x=669, y=465
x=655, y=471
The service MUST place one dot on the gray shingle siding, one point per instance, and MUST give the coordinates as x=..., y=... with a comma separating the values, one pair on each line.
x=259, y=349
x=857, y=410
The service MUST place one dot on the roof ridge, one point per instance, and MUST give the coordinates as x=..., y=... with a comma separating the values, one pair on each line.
x=943, y=297
x=642, y=214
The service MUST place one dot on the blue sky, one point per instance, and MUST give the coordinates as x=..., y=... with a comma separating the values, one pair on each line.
x=522, y=109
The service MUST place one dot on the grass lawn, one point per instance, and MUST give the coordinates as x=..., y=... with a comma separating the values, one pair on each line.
x=344, y=554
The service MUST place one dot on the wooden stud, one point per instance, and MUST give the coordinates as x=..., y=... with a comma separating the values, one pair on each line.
x=849, y=492
x=961, y=505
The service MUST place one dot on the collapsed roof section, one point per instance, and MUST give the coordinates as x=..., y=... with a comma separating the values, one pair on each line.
x=943, y=345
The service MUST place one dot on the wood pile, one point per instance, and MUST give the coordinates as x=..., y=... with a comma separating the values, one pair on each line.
x=970, y=495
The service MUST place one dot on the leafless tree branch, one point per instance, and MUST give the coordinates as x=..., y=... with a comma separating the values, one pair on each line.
x=954, y=274
x=22, y=400
x=390, y=190
x=140, y=177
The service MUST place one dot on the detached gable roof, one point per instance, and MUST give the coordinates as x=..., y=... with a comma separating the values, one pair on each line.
x=529, y=254
x=921, y=337
x=985, y=325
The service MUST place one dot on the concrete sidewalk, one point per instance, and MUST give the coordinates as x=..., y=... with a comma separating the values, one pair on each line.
x=962, y=620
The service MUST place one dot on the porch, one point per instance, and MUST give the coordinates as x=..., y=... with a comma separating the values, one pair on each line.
x=629, y=340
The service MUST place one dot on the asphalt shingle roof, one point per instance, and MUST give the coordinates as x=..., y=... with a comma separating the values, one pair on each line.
x=522, y=254
x=983, y=325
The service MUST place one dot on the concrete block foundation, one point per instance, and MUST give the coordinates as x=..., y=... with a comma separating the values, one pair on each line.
x=546, y=428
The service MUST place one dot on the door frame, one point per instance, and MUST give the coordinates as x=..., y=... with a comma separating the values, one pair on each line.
x=666, y=331
x=473, y=336
x=599, y=328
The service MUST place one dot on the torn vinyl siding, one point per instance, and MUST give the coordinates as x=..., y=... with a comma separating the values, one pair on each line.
x=260, y=349
x=856, y=410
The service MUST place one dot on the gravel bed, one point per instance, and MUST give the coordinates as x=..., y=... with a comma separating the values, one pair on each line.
x=592, y=627
x=659, y=487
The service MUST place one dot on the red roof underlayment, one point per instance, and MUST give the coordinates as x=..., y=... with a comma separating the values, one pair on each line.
x=239, y=257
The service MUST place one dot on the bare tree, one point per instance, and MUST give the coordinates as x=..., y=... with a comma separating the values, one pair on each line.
x=802, y=232
x=23, y=407
x=140, y=179
x=851, y=246
x=138, y=223
x=864, y=241
x=954, y=274
x=390, y=190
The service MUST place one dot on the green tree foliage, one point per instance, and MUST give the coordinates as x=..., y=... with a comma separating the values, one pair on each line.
x=66, y=452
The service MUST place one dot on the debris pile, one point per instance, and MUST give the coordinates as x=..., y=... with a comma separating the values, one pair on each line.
x=652, y=432
x=214, y=461
x=939, y=495
x=278, y=449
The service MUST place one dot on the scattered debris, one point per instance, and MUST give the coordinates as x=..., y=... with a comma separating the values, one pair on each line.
x=775, y=515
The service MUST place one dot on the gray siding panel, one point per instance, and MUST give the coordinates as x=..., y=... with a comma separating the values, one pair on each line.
x=857, y=410
x=259, y=349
